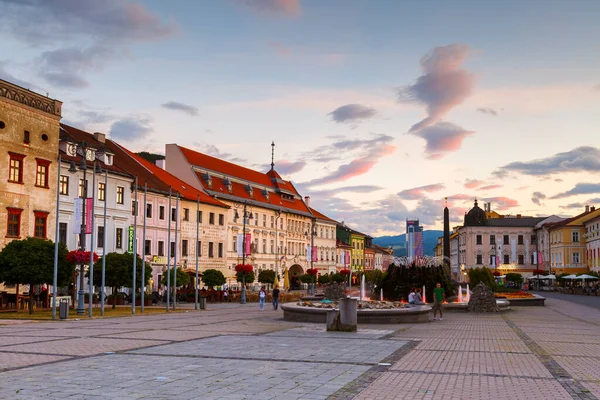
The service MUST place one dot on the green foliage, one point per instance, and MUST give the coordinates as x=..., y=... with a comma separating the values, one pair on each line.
x=481, y=275
x=375, y=277
x=323, y=279
x=31, y=261
x=119, y=271
x=212, y=277
x=306, y=278
x=151, y=156
x=182, y=278
x=398, y=280
x=337, y=278
x=266, y=276
x=249, y=277
x=514, y=277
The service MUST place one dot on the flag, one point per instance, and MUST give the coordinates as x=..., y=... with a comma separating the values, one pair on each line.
x=315, y=254
x=77, y=217
x=89, y=214
x=308, y=253
x=240, y=244
x=248, y=243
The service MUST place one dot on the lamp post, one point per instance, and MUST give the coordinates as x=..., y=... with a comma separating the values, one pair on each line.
x=313, y=231
x=277, y=216
x=246, y=215
x=103, y=278
x=55, y=276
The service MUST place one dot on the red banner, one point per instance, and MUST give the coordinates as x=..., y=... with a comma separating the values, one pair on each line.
x=315, y=256
x=89, y=214
x=248, y=243
x=540, y=258
x=347, y=258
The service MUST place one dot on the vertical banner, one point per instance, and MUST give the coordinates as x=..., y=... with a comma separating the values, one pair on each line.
x=89, y=214
x=343, y=257
x=240, y=244
x=513, y=250
x=308, y=253
x=130, y=239
x=77, y=216
x=347, y=258
x=248, y=243
x=535, y=258
x=315, y=254
x=527, y=259
x=540, y=258
x=498, y=254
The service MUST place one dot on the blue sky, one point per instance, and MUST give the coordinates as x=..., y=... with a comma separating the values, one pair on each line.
x=379, y=109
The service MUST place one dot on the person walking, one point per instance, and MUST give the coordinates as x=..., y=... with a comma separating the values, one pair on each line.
x=439, y=296
x=261, y=296
x=275, y=297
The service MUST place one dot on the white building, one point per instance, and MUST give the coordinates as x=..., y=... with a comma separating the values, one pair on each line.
x=592, y=238
x=324, y=241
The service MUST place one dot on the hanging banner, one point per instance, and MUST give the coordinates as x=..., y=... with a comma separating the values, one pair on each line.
x=248, y=243
x=89, y=214
x=498, y=254
x=540, y=258
x=347, y=257
x=308, y=253
x=535, y=258
x=342, y=256
x=240, y=244
x=513, y=250
x=130, y=240
x=315, y=254
x=77, y=216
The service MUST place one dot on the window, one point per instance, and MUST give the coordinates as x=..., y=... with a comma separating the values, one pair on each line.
x=199, y=248
x=186, y=214
x=119, y=238
x=272, y=221
x=184, y=248
x=82, y=192
x=506, y=240
x=575, y=236
x=64, y=185
x=272, y=246
x=199, y=217
x=221, y=219
x=492, y=259
x=256, y=219
x=479, y=240
x=26, y=137
x=41, y=173
x=134, y=207
x=506, y=259
x=62, y=233
x=15, y=170
x=211, y=218
x=148, y=210
x=100, y=240
x=173, y=214
x=520, y=239
x=575, y=258
x=521, y=259
x=220, y=250
x=264, y=246
x=147, y=246
x=493, y=239
x=41, y=218
x=265, y=220
x=161, y=213
x=533, y=240
x=101, y=191
x=120, y=195
x=173, y=249
x=161, y=248
x=210, y=250
x=281, y=224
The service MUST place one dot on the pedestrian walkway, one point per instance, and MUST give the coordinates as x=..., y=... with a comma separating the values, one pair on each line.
x=237, y=352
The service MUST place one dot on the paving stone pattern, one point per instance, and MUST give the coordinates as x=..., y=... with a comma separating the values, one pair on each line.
x=238, y=352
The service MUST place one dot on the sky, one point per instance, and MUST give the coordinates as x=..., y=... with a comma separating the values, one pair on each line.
x=379, y=109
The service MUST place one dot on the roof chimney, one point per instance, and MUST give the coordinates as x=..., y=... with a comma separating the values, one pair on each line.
x=587, y=209
x=101, y=137
x=593, y=208
x=160, y=163
x=307, y=201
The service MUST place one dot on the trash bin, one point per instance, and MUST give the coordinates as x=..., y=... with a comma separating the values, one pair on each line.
x=63, y=309
x=202, y=302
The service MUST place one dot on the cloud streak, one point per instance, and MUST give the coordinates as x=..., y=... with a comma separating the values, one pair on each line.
x=580, y=159
x=290, y=8
x=131, y=128
x=352, y=113
x=502, y=203
x=418, y=193
x=488, y=111
x=537, y=197
x=442, y=138
x=185, y=108
x=490, y=187
x=580, y=188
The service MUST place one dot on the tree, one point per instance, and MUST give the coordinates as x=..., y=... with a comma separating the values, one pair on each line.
x=118, y=272
x=306, y=278
x=212, y=277
x=182, y=278
x=31, y=261
x=514, y=277
x=338, y=278
x=266, y=276
x=323, y=279
x=481, y=275
x=249, y=276
x=152, y=157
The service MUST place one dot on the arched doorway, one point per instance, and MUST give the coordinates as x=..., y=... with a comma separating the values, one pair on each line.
x=295, y=272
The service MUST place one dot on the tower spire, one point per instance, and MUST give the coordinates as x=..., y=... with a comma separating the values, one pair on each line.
x=272, y=154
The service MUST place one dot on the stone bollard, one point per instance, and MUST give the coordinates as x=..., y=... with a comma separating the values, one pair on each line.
x=333, y=319
x=348, y=315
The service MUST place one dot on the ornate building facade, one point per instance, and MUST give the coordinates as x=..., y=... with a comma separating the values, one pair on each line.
x=324, y=241
x=592, y=240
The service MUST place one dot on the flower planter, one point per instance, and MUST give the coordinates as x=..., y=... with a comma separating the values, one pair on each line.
x=120, y=301
x=147, y=302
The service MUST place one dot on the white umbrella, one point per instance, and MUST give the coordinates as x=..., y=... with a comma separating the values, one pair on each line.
x=537, y=277
x=572, y=276
x=551, y=276
x=586, y=276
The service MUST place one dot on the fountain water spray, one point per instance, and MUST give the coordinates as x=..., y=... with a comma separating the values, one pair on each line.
x=362, y=288
x=468, y=294
x=460, y=299
x=381, y=295
x=424, y=299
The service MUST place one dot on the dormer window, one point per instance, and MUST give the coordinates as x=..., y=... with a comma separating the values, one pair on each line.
x=208, y=179
x=227, y=184
x=90, y=154
x=108, y=160
x=249, y=190
x=265, y=193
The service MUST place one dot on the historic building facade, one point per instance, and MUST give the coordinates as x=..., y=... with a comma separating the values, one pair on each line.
x=324, y=241
x=592, y=240
x=278, y=224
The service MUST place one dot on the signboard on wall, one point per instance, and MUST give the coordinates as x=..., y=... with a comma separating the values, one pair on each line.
x=130, y=239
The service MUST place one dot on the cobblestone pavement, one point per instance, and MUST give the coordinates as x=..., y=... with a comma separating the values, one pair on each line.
x=238, y=352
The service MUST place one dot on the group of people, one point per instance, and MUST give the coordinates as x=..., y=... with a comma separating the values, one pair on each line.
x=439, y=296
x=263, y=295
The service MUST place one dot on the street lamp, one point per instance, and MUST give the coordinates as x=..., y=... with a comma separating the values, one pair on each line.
x=277, y=216
x=313, y=232
x=247, y=215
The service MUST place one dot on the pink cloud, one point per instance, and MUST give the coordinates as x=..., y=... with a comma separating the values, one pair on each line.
x=490, y=187
x=419, y=192
x=502, y=203
x=284, y=7
x=473, y=183
x=441, y=138
x=461, y=196
x=443, y=85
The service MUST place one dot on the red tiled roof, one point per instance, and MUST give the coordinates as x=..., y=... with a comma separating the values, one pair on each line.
x=157, y=178
x=322, y=216
x=258, y=180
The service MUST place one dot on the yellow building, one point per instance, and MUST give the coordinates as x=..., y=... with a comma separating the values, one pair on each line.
x=568, y=253
x=358, y=251
x=29, y=136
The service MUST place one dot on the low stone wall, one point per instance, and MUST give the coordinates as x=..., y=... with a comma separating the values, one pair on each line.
x=537, y=301
x=503, y=305
x=416, y=314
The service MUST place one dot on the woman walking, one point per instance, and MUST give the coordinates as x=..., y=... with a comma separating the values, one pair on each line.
x=261, y=297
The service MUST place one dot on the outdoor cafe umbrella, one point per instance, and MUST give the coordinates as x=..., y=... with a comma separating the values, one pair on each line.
x=286, y=280
x=572, y=276
x=551, y=276
x=586, y=276
x=276, y=282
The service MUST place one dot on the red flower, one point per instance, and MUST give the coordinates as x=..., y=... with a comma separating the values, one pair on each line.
x=538, y=272
x=496, y=273
x=243, y=268
x=312, y=271
x=345, y=272
x=80, y=257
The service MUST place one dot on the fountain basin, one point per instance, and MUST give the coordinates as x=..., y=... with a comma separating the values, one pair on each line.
x=411, y=314
x=503, y=305
x=535, y=301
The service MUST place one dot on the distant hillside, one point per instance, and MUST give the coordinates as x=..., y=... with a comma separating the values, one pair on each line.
x=398, y=242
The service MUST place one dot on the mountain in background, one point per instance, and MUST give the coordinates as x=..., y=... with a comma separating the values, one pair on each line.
x=398, y=242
